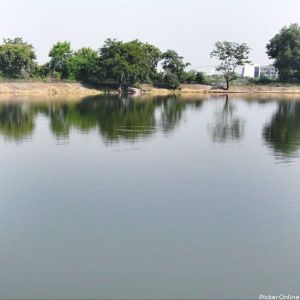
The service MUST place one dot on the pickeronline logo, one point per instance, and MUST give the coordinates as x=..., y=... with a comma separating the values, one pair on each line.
x=278, y=297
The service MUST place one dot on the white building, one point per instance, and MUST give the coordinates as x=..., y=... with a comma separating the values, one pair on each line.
x=251, y=71
x=258, y=71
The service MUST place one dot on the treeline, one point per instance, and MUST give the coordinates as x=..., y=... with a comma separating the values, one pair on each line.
x=119, y=63
x=116, y=63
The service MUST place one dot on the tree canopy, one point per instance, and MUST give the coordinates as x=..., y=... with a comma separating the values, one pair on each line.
x=284, y=48
x=82, y=65
x=115, y=63
x=131, y=62
x=17, y=58
x=119, y=63
x=59, y=56
x=173, y=66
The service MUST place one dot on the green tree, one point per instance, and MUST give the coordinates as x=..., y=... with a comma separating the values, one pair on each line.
x=284, y=48
x=193, y=76
x=17, y=58
x=173, y=66
x=231, y=55
x=82, y=65
x=112, y=64
x=59, y=56
x=153, y=55
x=199, y=78
x=131, y=62
x=171, y=80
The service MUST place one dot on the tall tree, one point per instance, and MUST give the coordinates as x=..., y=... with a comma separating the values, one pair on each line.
x=82, y=65
x=173, y=66
x=284, y=48
x=231, y=55
x=153, y=55
x=59, y=56
x=131, y=62
x=17, y=58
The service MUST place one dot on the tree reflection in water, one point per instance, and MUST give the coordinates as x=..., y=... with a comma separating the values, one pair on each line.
x=227, y=126
x=282, y=133
x=16, y=121
x=116, y=118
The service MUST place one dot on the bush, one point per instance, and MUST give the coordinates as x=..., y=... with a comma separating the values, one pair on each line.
x=171, y=80
x=193, y=77
x=265, y=80
x=213, y=79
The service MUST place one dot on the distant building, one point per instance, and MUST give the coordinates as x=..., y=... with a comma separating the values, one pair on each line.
x=257, y=71
x=251, y=71
x=268, y=72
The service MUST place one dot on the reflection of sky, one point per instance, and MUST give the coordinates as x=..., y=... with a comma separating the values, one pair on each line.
x=181, y=216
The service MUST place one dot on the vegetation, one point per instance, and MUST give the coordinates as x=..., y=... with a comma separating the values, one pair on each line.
x=284, y=48
x=193, y=77
x=173, y=67
x=81, y=65
x=119, y=64
x=128, y=63
x=231, y=55
x=17, y=59
x=59, y=56
x=116, y=63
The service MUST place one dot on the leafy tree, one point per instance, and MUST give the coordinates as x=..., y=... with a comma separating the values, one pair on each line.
x=284, y=48
x=199, y=78
x=82, y=65
x=231, y=56
x=174, y=66
x=44, y=70
x=153, y=55
x=59, y=56
x=193, y=76
x=17, y=58
x=171, y=80
x=129, y=63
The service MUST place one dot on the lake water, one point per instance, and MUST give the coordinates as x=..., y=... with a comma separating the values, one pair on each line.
x=112, y=197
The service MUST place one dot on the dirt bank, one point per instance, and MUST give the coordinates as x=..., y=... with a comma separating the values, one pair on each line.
x=70, y=89
x=207, y=89
x=46, y=88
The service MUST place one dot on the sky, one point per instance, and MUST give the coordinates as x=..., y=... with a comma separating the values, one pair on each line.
x=191, y=27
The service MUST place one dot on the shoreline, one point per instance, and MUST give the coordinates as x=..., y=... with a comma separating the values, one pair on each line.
x=47, y=89
x=79, y=89
x=246, y=90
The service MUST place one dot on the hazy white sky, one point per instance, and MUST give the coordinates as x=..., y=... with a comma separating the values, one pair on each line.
x=189, y=26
